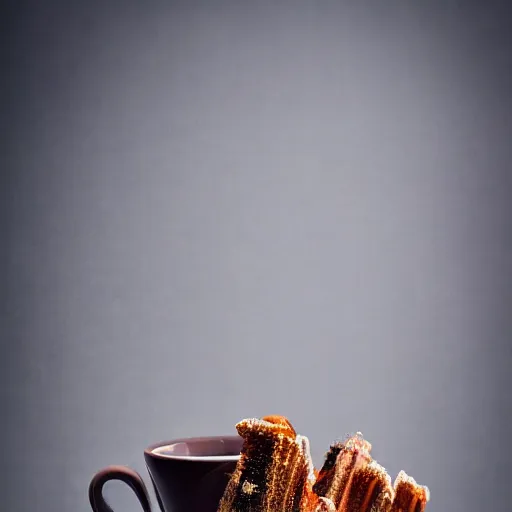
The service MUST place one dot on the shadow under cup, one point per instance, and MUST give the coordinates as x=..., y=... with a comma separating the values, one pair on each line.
x=188, y=475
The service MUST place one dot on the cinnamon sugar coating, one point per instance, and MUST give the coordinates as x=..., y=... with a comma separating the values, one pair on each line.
x=409, y=496
x=352, y=480
x=275, y=473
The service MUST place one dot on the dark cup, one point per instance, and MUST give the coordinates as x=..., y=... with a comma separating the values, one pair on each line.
x=188, y=475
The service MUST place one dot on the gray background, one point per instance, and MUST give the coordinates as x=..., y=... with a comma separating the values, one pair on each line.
x=214, y=210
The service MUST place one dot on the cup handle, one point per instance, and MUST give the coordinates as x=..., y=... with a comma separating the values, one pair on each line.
x=126, y=475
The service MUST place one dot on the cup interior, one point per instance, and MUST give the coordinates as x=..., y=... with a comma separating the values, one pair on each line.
x=206, y=449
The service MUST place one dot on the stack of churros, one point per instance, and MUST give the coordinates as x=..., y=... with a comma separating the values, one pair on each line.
x=275, y=473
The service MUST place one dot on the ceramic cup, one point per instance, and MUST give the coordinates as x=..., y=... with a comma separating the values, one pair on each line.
x=188, y=475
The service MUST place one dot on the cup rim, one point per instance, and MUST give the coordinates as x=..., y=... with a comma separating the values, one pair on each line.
x=149, y=451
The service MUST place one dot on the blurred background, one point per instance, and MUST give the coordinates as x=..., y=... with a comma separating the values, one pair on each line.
x=215, y=210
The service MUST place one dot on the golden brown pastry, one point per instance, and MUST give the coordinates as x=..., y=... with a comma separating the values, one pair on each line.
x=352, y=480
x=275, y=473
x=409, y=496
